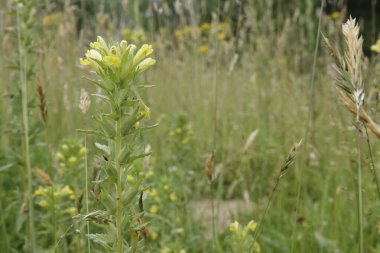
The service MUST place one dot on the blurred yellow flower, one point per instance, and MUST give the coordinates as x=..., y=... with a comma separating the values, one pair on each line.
x=73, y=159
x=152, y=193
x=173, y=197
x=252, y=225
x=130, y=178
x=335, y=15
x=65, y=147
x=72, y=211
x=82, y=151
x=205, y=26
x=40, y=191
x=178, y=34
x=153, y=209
x=256, y=247
x=153, y=235
x=234, y=227
x=185, y=141
x=203, y=49
x=376, y=47
x=59, y=156
x=43, y=203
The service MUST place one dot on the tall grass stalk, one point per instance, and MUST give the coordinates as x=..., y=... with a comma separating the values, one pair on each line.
x=24, y=93
x=309, y=122
x=372, y=162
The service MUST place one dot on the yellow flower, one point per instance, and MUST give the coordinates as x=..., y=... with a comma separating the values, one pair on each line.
x=82, y=151
x=178, y=34
x=93, y=54
x=179, y=231
x=335, y=15
x=40, y=191
x=137, y=125
x=72, y=211
x=84, y=61
x=256, y=247
x=65, y=147
x=143, y=52
x=252, y=225
x=178, y=130
x=203, y=49
x=67, y=191
x=185, y=141
x=96, y=45
x=234, y=227
x=112, y=60
x=205, y=26
x=144, y=111
x=43, y=203
x=173, y=197
x=149, y=173
x=152, y=193
x=171, y=133
x=73, y=159
x=165, y=250
x=62, y=170
x=130, y=178
x=145, y=64
x=221, y=36
x=153, y=209
x=166, y=187
x=376, y=47
x=59, y=156
x=153, y=235
x=182, y=251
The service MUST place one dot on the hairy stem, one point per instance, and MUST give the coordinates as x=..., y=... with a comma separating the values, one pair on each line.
x=24, y=92
x=86, y=192
x=119, y=216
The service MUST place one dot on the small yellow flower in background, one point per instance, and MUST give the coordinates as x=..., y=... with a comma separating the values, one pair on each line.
x=73, y=159
x=205, y=26
x=112, y=60
x=72, y=211
x=165, y=250
x=43, y=203
x=152, y=193
x=62, y=170
x=153, y=235
x=166, y=187
x=376, y=47
x=173, y=197
x=171, y=133
x=66, y=191
x=185, y=141
x=221, y=36
x=182, y=251
x=252, y=225
x=179, y=231
x=256, y=247
x=203, y=49
x=178, y=130
x=335, y=15
x=137, y=125
x=153, y=209
x=65, y=147
x=234, y=227
x=82, y=151
x=178, y=34
x=130, y=178
x=40, y=191
x=150, y=173
x=59, y=156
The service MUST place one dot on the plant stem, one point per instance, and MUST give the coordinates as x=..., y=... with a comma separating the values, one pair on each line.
x=372, y=163
x=86, y=169
x=24, y=92
x=360, y=197
x=118, y=188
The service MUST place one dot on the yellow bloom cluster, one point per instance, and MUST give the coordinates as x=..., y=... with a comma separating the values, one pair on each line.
x=48, y=193
x=69, y=156
x=104, y=58
x=376, y=47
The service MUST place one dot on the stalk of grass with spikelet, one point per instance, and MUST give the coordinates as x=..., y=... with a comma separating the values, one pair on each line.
x=283, y=170
x=118, y=66
x=349, y=84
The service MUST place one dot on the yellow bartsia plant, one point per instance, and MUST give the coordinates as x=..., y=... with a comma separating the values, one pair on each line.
x=117, y=66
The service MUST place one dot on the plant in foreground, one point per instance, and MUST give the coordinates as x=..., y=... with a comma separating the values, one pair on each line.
x=118, y=66
x=242, y=238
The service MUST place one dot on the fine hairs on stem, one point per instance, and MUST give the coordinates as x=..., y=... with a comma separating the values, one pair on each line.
x=24, y=91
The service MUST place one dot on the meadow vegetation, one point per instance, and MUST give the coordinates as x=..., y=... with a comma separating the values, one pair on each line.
x=187, y=126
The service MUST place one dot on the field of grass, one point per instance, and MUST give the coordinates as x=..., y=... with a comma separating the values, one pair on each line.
x=242, y=131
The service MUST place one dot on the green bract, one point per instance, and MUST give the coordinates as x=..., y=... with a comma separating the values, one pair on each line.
x=117, y=67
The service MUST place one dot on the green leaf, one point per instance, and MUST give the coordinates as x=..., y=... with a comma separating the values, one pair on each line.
x=104, y=148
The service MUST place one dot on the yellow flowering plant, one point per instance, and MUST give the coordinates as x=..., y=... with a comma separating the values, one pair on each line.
x=242, y=237
x=118, y=67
